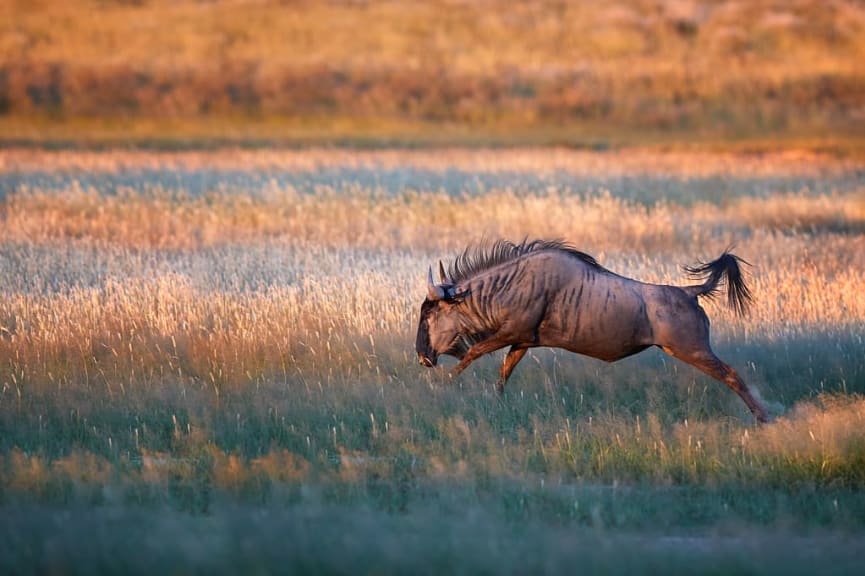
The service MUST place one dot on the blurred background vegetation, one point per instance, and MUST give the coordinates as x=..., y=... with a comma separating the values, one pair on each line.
x=547, y=71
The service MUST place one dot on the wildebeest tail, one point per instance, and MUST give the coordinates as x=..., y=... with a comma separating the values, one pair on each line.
x=727, y=266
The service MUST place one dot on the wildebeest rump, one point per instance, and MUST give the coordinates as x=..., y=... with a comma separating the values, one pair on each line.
x=547, y=293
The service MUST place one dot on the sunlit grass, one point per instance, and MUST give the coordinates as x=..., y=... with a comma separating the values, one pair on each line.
x=231, y=286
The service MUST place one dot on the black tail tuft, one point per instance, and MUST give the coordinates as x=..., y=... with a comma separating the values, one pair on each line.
x=738, y=294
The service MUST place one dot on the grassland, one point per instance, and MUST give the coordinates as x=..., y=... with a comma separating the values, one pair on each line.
x=207, y=365
x=583, y=73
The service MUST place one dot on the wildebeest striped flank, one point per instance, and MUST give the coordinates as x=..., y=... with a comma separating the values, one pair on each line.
x=547, y=293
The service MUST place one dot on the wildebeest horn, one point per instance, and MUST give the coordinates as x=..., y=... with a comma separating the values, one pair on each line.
x=434, y=292
x=443, y=278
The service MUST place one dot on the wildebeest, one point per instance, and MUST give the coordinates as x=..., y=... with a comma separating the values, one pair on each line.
x=547, y=293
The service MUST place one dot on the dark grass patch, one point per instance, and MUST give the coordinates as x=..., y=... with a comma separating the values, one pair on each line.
x=321, y=538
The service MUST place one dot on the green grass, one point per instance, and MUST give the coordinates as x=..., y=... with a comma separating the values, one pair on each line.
x=409, y=478
x=326, y=539
x=411, y=473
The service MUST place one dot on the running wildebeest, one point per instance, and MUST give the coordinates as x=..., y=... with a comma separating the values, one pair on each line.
x=547, y=293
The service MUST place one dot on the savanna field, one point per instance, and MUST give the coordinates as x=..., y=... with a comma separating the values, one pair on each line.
x=207, y=364
x=216, y=222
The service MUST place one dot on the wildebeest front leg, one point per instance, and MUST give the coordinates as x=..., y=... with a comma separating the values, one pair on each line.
x=514, y=355
x=477, y=350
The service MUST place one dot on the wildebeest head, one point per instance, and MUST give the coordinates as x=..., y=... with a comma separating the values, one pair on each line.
x=439, y=327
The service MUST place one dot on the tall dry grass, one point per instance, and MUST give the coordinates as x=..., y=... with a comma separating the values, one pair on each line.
x=240, y=287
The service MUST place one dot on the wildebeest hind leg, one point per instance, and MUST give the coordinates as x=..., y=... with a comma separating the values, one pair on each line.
x=706, y=361
x=510, y=362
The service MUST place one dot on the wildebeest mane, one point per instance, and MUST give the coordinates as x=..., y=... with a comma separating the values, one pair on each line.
x=485, y=255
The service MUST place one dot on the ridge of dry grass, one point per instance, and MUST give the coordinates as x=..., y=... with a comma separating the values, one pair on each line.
x=724, y=67
x=799, y=38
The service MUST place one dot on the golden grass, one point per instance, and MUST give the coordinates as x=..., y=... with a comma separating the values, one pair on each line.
x=129, y=330
x=824, y=433
x=416, y=219
x=227, y=289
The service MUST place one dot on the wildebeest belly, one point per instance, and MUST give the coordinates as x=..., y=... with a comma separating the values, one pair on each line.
x=608, y=332
x=610, y=355
x=607, y=349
